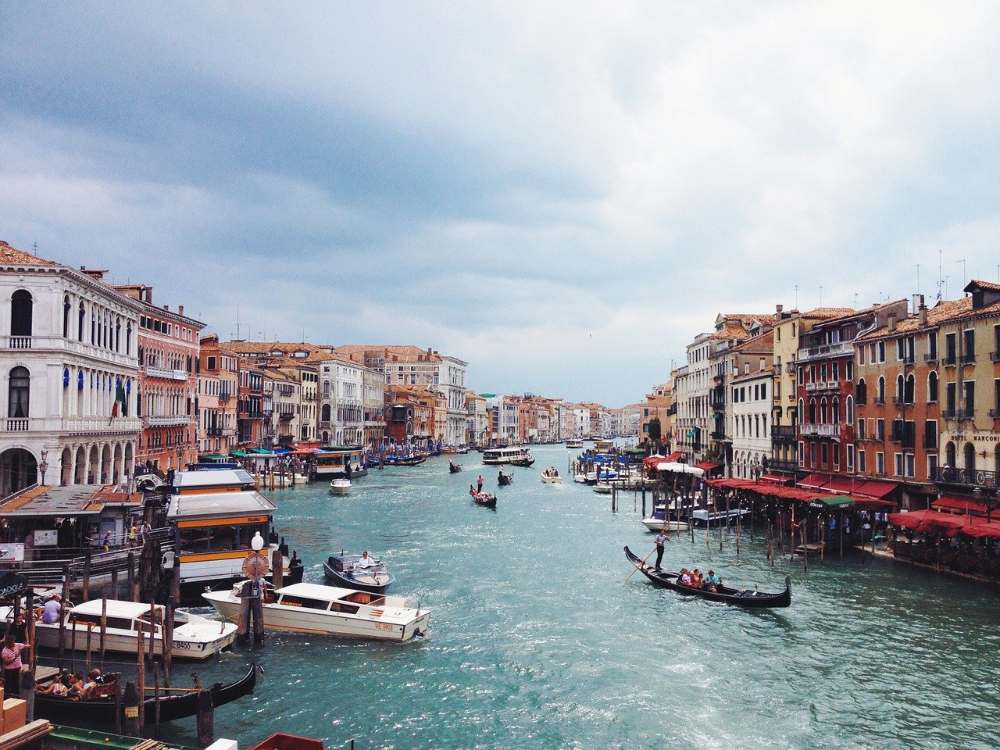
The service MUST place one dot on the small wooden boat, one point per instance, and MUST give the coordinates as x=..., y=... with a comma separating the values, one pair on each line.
x=412, y=461
x=328, y=610
x=454, y=468
x=340, y=486
x=505, y=479
x=343, y=570
x=736, y=597
x=523, y=462
x=100, y=710
x=485, y=499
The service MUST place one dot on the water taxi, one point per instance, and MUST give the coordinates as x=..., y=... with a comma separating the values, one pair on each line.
x=194, y=637
x=215, y=515
x=328, y=463
x=574, y=444
x=340, y=487
x=328, y=610
x=514, y=456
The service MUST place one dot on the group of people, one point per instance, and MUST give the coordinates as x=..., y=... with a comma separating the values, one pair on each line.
x=74, y=685
x=696, y=580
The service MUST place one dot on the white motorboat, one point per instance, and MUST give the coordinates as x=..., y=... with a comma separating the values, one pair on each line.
x=195, y=637
x=329, y=610
x=574, y=444
x=705, y=517
x=603, y=488
x=551, y=476
x=580, y=478
x=340, y=486
x=655, y=524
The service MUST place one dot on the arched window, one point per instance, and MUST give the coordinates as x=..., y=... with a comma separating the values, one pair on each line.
x=908, y=389
x=849, y=418
x=900, y=389
x=969, y=461
x=128, y=338
x=812, y=411
x=20, y=313
x=93, y=326
x=118, y=334
x=949, y=455
x=325, y=417
x=835, y=411
x=862, y=391
x=79, y=329
x=18, y=393
x=880, y=397
x=801, y=411
x=932, y=387
x=66, y=310
x=822, y=412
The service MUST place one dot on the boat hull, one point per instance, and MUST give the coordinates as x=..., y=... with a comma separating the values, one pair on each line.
x=656, y=524
x=121, y=641
x=338, y=579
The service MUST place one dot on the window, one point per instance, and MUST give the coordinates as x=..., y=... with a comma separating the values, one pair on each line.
x=898, y=464
x=763, y=390
x=880, y=429
x=996, y=397
x=949, y=455
x=932, y=387
x=880, y=396
x=835, y=411
x=822, y=373
x=899, y=389
x=67, y=307
x=930, y=435
x=824, y=453
x=861, y=354
x=900, y=350
x=862, y=465
x=996, y=339
x=910, y=465
x=849, y=417
x=850, y=458
x=79, y=330
x=861, y=391
x=932, y=345
x=951, y=398
x=880, y=463
x=19, y=391
x=812, y=411
x=881, y=351
x=968, y=345
x=849, y=367
x=836, y=455
x=950, y=348
x=20, y=313
x=908, y=390
x=932, y=465
x=861, y=429
x=969, y=398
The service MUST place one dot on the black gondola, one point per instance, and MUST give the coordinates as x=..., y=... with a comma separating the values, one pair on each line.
x=340, y=569
x=736, y=597
x=454, y=468
x=101, y=711
x=414, y=461
x=485, y=499
x=504, y=479
x=523, y=462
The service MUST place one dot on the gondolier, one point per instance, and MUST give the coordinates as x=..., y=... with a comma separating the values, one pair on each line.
x=661, y=539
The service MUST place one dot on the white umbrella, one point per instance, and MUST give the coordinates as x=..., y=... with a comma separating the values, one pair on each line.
x=678, y=468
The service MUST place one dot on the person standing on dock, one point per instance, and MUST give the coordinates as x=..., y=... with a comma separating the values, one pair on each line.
x=661, y=539
x=11, y=657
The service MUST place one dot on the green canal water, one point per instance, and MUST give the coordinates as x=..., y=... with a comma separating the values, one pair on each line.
x=538, y=641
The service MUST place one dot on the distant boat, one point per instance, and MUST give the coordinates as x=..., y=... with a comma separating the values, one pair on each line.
x=454, y=468
x=505, y=479
x=574, y=444
x=343, y=570
x=513, y=456
x=551, y=476
x=485, y=499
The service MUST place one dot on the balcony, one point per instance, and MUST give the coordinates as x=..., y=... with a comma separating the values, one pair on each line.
x=286, y=414
x=776, y=465
x=820, y=430
x=19, y=342
x=79, y=425
x=172, y=420
x=15, y=424
x=214, y=432
x=163, y=372
x=225, y=395
x=324, y=424
x=949, y=361
x=783, y=432
x=842, y=349
x=966, y=477
x=790, y=367
x=823, y=385
x=931, y=358
x=969, y=358
x=718, y=436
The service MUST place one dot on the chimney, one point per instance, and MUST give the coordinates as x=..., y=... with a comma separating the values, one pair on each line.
x=180, y=309
x=149, y=295
x=922, y=311
x=891, y=322
x=778, y=309
x=167, y=308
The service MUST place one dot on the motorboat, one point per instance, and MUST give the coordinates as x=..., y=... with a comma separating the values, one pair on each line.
x=513, y=456
x=329, y=610
x=340, y=486
x=571, y=444
x=194, y=636
x=660, y=520
x=603, y=488
x=344, y=570
x=580, y=478
x=706, y=517
x=551, y=476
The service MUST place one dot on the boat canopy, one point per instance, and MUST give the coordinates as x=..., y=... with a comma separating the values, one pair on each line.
x=184, y=480
x=315, y=591
x=218, y=505
x=115, y=608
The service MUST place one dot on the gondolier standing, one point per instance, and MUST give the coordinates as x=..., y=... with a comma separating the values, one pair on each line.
x=661, y=539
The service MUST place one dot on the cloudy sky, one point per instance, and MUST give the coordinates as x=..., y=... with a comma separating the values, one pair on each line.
x=562, y=195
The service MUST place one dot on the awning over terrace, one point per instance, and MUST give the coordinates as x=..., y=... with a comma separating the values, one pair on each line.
x=924, y=521
x=960, y=505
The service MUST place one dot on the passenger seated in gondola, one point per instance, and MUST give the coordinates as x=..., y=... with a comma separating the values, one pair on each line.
x=472, y=490
x=713, y=582
x=696, y=579
x=684, y=578
x=58, y=687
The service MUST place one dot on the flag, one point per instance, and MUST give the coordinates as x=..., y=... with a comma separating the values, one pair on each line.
x=119, y=405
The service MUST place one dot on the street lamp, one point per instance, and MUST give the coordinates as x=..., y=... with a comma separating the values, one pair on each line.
x=44, y=465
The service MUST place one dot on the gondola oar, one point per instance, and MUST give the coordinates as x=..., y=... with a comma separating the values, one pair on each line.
x=643, y=562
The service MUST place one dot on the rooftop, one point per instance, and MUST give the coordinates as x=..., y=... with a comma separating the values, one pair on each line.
x=72, y=500
x=11, y=255
x=217, y=505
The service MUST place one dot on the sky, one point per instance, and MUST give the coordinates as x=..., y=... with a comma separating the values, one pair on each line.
x=562, y=194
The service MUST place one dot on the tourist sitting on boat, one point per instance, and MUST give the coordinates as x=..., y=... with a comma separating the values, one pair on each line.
x=713, y=581
x=58, y=687
x=684, y=578
x=52, y=610
x=365, y=561
x=697, y=581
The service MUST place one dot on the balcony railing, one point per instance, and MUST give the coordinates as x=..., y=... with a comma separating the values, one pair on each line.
x=826, y=350
x=168, y=374
x=820, y=430
x=968, y=358
x=932, y=358
x=783, y=432
x=778, y=465
x=790, y=367
x=19, y=342
x=168, y=420
x=17, y=424
x=284, y=415
x=718, y=436
x=101, y=424
x=949, y=361
x=967, y=477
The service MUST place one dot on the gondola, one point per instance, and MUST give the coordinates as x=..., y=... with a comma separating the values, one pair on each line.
x=504, y=479
x=340, y=570
x=454, y=468
x=485, y=499
x=101, y=711
x=736, y=597
x=414, y=461
x=523, y=462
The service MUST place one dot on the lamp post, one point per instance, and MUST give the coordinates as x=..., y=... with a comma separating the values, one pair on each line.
x=43, y=465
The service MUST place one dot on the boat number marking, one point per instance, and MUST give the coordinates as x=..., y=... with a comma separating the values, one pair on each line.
x=383, y=626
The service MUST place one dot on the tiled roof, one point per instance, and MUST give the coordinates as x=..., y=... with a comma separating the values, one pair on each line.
x=391, y=352
x=828, y=312
x=984, y=285
x=10, y=254
x=758, y=344
x=941, y=312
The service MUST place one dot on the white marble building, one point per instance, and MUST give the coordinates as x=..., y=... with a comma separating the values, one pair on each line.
x=70, y=373
x=751, y=428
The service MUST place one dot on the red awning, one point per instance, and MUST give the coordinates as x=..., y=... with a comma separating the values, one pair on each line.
x=842, y=484
x=775, y=478
x=950, y=524
x=674, y=457
x=707, y=466
x=875, y=489
x=650, y=462
x=814, y=481
x=960, y=505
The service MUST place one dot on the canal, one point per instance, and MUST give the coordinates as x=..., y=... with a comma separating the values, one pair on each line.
x=538, y=640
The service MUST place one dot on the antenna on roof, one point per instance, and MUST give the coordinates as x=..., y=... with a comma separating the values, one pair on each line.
x=796, y=296
x=918, y=278
x=965, y=275
x=940, y=283
x=820, y=295
x=34, y=247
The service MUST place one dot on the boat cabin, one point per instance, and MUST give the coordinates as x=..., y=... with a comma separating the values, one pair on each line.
x=326, y=598
x=332, y=462
x=122, y=615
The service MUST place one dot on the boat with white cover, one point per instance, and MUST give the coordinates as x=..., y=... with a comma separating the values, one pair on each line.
x=195, y=637
x=329, y=610
x=340, y=486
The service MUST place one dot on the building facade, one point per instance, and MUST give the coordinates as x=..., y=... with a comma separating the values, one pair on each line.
x=218, y=399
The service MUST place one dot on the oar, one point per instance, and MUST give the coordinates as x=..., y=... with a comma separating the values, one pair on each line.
x=643, y=562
